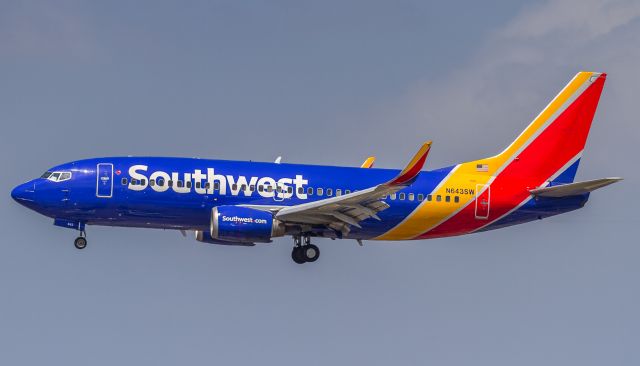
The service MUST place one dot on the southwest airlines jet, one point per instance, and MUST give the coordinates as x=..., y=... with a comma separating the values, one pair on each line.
x=243, y=203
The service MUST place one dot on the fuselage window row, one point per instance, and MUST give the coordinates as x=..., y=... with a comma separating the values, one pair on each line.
x=310, y=190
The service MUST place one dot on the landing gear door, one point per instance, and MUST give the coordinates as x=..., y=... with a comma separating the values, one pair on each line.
x=483, y=200
x=104, y=180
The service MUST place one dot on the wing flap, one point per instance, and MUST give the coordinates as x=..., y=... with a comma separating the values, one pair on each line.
x=573, y=189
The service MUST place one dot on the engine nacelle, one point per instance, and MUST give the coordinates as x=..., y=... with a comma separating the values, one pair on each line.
x=244, y=225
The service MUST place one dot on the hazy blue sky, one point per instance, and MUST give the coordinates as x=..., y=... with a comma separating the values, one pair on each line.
x=328, y=82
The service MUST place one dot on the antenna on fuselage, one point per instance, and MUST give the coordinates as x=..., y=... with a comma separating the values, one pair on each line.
x=278, y=159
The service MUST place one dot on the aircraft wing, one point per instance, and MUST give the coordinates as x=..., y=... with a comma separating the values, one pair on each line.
x=572, y=189
x=342, y=212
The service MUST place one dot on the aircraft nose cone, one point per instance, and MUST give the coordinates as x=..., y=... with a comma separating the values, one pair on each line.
x=24, y=193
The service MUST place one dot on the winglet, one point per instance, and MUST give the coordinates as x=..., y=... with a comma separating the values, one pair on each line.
x=369, y=162
x=411, y=171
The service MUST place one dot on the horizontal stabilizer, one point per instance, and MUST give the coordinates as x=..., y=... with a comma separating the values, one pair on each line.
x=573, y=189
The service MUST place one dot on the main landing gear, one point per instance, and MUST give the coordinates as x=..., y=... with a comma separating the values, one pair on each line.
x=81, y=241
x=304, y=252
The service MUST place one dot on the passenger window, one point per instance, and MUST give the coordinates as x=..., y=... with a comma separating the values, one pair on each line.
x=438, y=198
x=346, y=191
x=329, y=192
x=269, y=188
x=401, y=196
x=252, y=188
x=260, y=188
x=392, y=196
x=290, y=189
x=320, y=191
x=429, y=197
x=188, y=184
x=420, y=197
x=152, y=182
x=143, y=182
x=456, y=199
x=234, y=186
x=170, y=183
x=411, y=197
x=124, y=181
x=198, y=184
x=300, y=190
x=160, y=182
x=216, y=186
x=338, y=192
x=310, y=191
x=447, y=199
x=207, y=185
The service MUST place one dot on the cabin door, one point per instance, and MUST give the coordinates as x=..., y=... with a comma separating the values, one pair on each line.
x=104, y=180
x=483, y=201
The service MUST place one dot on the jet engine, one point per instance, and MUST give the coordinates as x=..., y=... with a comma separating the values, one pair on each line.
x=233, y=225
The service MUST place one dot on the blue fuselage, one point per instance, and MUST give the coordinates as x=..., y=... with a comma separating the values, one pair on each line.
x=127, y=191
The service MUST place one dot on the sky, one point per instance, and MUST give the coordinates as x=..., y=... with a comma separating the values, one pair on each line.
x=328, y=82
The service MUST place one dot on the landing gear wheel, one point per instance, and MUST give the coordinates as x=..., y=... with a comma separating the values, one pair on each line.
x=303, y=251
x=80, y=242
x=297, y=255
x=311, y=253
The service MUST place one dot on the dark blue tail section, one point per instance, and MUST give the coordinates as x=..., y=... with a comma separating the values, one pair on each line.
x=568, y=175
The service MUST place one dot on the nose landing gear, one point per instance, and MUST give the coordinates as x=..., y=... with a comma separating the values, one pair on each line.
x=303, y=253
x=81, y=241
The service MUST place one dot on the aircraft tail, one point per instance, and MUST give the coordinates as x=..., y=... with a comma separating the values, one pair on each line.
x=546, y=154
x=551, y=146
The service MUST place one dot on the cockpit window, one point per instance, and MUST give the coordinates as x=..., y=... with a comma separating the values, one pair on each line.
x=57, y=176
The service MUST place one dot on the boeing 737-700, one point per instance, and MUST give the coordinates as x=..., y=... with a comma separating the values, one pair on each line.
x=244, y=203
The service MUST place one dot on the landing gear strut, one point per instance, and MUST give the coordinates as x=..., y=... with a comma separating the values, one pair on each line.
x=304, y=252
x=81, y=241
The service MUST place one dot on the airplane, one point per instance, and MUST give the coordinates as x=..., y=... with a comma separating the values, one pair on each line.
x=245, y=203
